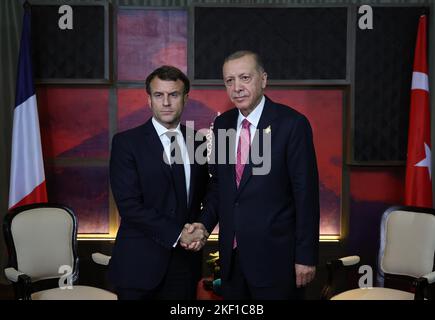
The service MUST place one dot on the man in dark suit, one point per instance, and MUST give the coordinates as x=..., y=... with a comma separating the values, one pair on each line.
x=156, y=196
x=268, y=221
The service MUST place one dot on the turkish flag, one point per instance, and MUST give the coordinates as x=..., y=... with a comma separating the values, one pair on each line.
x=418, y=184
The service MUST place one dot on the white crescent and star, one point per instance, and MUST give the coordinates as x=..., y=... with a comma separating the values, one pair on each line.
x=426, y=162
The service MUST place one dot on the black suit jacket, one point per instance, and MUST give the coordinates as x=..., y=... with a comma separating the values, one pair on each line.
x=274, y=216
x=144, y=192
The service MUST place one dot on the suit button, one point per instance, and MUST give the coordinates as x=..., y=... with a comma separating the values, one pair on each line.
x=236, y=204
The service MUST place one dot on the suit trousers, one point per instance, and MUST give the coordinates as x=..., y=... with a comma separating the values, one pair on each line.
x=236, y=287
x=179, y=282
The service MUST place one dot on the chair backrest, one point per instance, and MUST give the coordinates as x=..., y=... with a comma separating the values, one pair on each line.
x=41, y=238
x=407, y=241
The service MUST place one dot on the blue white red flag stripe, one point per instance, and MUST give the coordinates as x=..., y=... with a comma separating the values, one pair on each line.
x=27, y=179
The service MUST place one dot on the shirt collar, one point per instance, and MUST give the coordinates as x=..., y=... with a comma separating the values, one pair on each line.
x=254, y=116
x=161, y=130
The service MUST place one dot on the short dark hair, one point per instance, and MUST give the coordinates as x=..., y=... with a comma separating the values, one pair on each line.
x=242, y=53
x=169, y=73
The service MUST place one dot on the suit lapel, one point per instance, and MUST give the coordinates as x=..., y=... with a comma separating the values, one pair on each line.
x=266, y=119
x=230, y=152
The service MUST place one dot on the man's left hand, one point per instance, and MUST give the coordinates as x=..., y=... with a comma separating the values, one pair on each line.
x=304, y=274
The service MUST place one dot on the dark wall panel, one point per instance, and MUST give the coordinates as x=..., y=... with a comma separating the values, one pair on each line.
x=68, y=54
x=296, y=43
x=383, y=74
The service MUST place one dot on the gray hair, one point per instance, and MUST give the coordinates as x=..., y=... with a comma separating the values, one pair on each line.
x=242, y=53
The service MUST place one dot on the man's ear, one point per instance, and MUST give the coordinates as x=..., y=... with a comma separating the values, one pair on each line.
x=186, y=97
x=264, y=80
x=149, y=100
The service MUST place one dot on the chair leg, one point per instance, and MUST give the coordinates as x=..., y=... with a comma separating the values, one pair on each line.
x=24, y=287
x=420, y=285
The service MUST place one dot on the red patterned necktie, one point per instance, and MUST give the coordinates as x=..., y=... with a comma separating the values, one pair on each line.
x=242, y=156
x=242, y=150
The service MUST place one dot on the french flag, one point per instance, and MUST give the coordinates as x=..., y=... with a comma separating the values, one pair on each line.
x=27, y=180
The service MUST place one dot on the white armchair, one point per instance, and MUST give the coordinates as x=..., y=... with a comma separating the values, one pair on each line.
x=43, y=263
x=406, y=253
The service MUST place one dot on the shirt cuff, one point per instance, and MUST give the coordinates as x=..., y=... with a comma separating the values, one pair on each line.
x=176, y=242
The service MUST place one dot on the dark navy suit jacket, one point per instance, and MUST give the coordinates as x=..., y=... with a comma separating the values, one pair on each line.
x=144, y=192
x=275, y=216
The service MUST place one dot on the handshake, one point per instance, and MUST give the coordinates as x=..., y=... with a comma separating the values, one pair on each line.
x=194, y=236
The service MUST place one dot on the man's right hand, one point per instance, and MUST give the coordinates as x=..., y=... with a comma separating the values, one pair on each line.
x=194, y=236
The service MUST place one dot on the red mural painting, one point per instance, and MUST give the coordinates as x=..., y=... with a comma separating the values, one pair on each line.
x=148, y=39
x=74, y=122
x=74, y=125
x=86, y=191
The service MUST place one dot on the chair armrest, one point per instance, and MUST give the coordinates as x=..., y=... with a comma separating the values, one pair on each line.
x=101, y=259
x=332, y=266
x=350, y=260
x=13, y=274
x=22, y=281
x=422, y=283
x=430, y=277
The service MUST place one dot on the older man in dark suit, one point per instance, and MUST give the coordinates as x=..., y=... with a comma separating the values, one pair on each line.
x=268, y=219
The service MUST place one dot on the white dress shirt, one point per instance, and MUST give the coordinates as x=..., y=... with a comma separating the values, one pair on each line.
x=166, y=143
x=253, y=118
